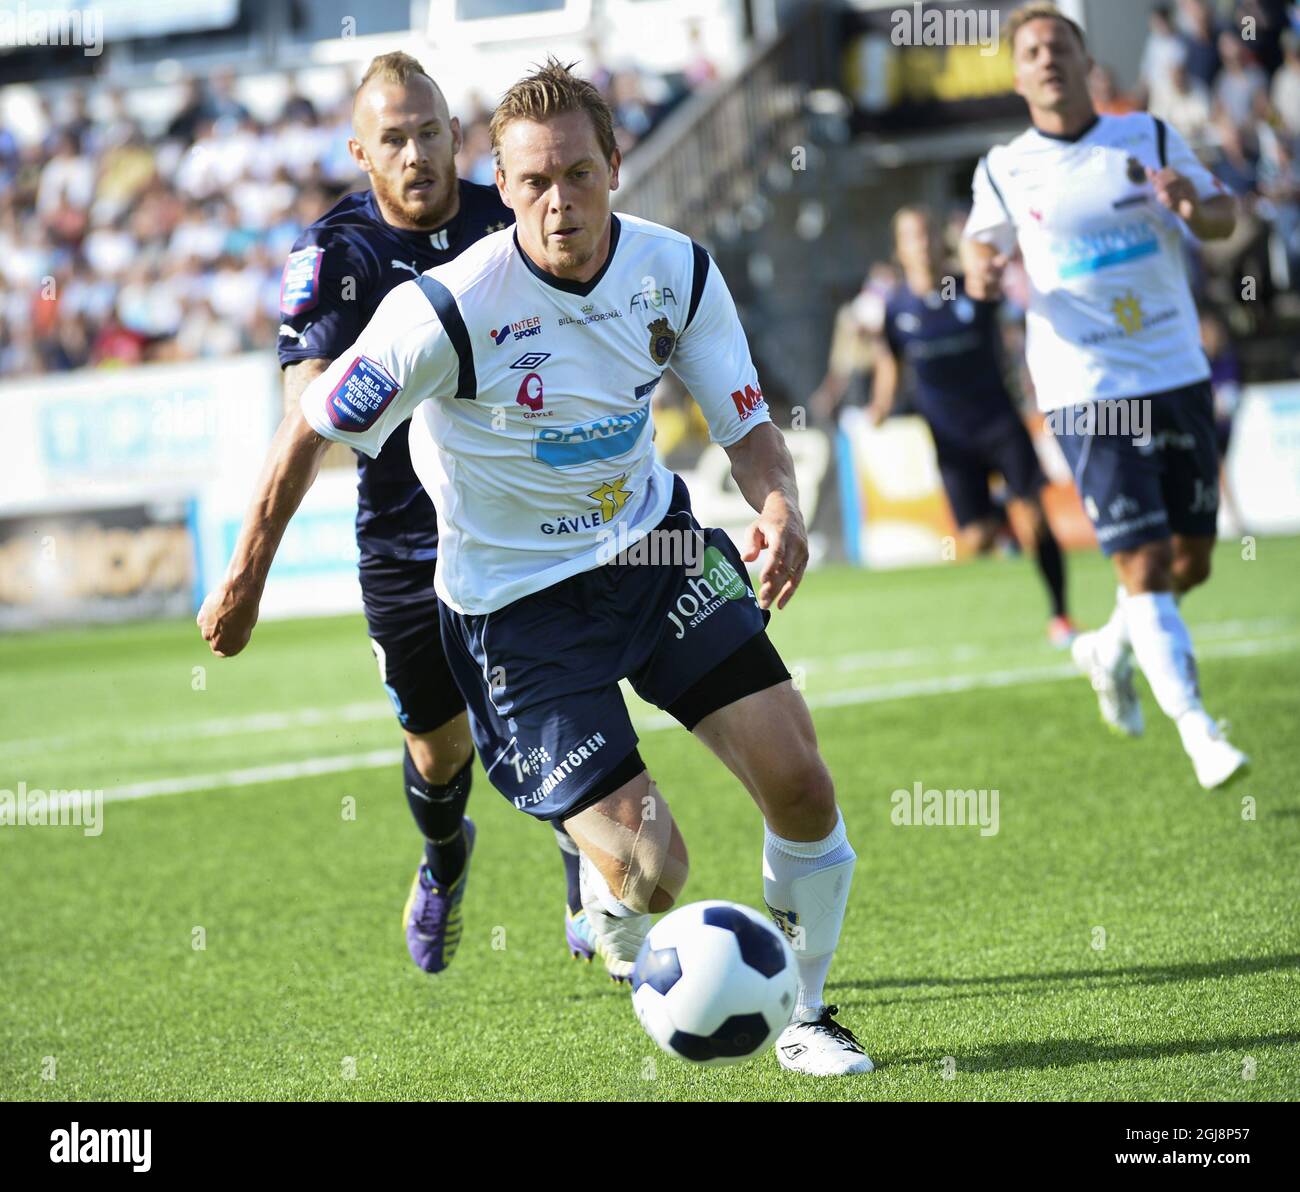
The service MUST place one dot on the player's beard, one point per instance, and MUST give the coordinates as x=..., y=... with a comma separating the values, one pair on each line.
x=425, y=208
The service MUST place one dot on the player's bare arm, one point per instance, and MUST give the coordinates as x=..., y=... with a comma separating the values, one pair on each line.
x=884, y=383
x=229, y=613
x=764, y=472
x=296, y=377
x=1210, y=218
x=983, y=265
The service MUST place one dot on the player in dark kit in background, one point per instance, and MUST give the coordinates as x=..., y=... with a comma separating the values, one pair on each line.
x=951, y=343
x=416, y=215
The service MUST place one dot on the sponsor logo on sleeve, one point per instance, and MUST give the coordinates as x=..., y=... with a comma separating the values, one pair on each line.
x=300, y=281
x=361, y=396
x=748, y=401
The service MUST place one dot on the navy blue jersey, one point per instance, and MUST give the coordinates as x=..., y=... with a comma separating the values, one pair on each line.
x=338, y=272
x=952, y=346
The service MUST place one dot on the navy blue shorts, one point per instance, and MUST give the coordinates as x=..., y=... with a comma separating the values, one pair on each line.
x=965, y=466
x=402, y=616
x=1146, y=467
x=541, y=675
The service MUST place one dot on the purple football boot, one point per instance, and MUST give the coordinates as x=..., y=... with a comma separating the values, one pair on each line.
x=578, y=935
x=432, y=917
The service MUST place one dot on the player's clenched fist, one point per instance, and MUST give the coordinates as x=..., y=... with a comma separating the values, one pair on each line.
x=1174, y=191
x=226, y=620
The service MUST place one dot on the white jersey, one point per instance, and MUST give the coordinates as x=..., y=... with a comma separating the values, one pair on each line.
x=529, y=399
x=1110, y=309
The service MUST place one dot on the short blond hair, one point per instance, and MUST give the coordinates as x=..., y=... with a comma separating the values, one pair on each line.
x=396, y=67
x=550, y=90
x=1038, y=10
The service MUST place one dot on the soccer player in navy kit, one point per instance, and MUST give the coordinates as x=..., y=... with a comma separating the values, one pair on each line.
x=950, y=341
x=417, y=214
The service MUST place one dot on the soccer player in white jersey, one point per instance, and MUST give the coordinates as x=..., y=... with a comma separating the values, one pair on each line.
x=569, y=557
x=1099, y=206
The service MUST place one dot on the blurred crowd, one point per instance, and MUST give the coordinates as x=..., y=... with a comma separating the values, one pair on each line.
x=121, y=245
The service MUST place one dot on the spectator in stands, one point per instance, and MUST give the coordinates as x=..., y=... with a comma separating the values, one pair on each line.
x=1107, y=98
x=1286, y=84
x=1199, y=38
x=1185, y=104
x=1241, y=88
x=1164, y=50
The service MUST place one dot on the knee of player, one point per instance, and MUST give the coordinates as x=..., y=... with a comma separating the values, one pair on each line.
x=1149, y=569
x=1191, y=570
x=439, y=762
x=655, y=873
x=803, y=785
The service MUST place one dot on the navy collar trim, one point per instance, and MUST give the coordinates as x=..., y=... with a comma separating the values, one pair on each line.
x=581, y=288
x=1078, y=136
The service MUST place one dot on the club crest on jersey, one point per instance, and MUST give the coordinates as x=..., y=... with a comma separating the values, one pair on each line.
x=361, y=396
x=662, y=341
x=300, y=281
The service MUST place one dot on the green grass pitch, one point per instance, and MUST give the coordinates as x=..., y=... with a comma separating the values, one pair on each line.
x=971, y=966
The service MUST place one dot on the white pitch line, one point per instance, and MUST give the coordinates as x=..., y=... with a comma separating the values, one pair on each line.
x=877, y=693
x=377, y=710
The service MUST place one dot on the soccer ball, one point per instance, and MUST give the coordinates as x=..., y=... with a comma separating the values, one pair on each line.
x=714, y=983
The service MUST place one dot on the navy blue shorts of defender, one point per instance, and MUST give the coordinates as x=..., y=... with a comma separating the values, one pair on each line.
x=402, y=618
x=1160, y=477
x=541, y=675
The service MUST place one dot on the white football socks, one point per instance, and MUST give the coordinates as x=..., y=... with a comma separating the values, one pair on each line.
x=1164, y=652
x=1113, y=642
x=806, y=887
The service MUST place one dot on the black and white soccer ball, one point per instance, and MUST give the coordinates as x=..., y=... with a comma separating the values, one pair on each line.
x=714, y=983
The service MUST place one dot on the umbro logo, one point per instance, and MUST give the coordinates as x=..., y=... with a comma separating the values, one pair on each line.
x=531, y=359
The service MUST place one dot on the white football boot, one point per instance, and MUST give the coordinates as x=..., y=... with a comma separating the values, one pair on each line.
x=1116, y=694
x=1214, y=758
x=617, y=938
x=821, y=1047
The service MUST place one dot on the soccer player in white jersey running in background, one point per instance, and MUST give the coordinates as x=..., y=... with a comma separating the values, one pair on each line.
x=526, y=368
x=1099, y=206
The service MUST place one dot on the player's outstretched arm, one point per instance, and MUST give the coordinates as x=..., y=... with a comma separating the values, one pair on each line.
x=229, y=613
x=884, y=382
x=764, y=472
x=983, y=265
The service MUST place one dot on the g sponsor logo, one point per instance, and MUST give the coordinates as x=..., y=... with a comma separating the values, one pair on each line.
x=530, y=392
